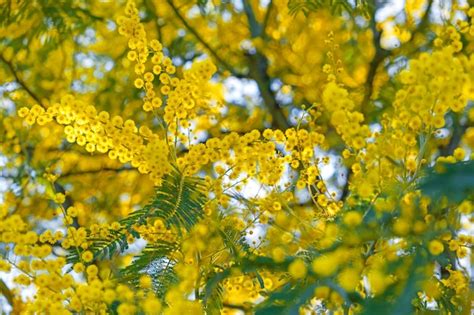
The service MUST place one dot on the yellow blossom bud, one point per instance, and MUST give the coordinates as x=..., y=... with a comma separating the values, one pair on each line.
x=435, y=247
x=297, y=269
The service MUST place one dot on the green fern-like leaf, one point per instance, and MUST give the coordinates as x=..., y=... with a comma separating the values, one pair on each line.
x=214, y=302
x=163, y=276
x=102, y=247
x=452, y=180
x=213, y=291
x=178, y=202
x=147, y=261
x=234, y=240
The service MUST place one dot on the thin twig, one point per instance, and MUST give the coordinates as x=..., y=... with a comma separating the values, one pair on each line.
x=20, y=81
x=201, y=40
x=258, y=66
x=104, y=169
x=152, y=9
x=267, y=18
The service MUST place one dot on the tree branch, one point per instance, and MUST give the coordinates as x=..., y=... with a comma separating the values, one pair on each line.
x=456, y=137
x=258, y=71
x=254, y=26
x=20, y=81
x=381, y=53
x=221, y=61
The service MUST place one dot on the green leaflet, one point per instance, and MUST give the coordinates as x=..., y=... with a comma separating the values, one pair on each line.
x=456, y=181
x=6, y=292
x=178, y=202
x=153, y=260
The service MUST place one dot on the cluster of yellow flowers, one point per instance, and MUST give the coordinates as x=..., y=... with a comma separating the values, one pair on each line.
x=156, y=231
x=99, y=132
x=131, y=27
x=190, y=96
x=240, y=154
x=262, y=156
x=55, y=284
x=444, y=76
x=186, y=96
x=433, y=84
x=344, y=118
